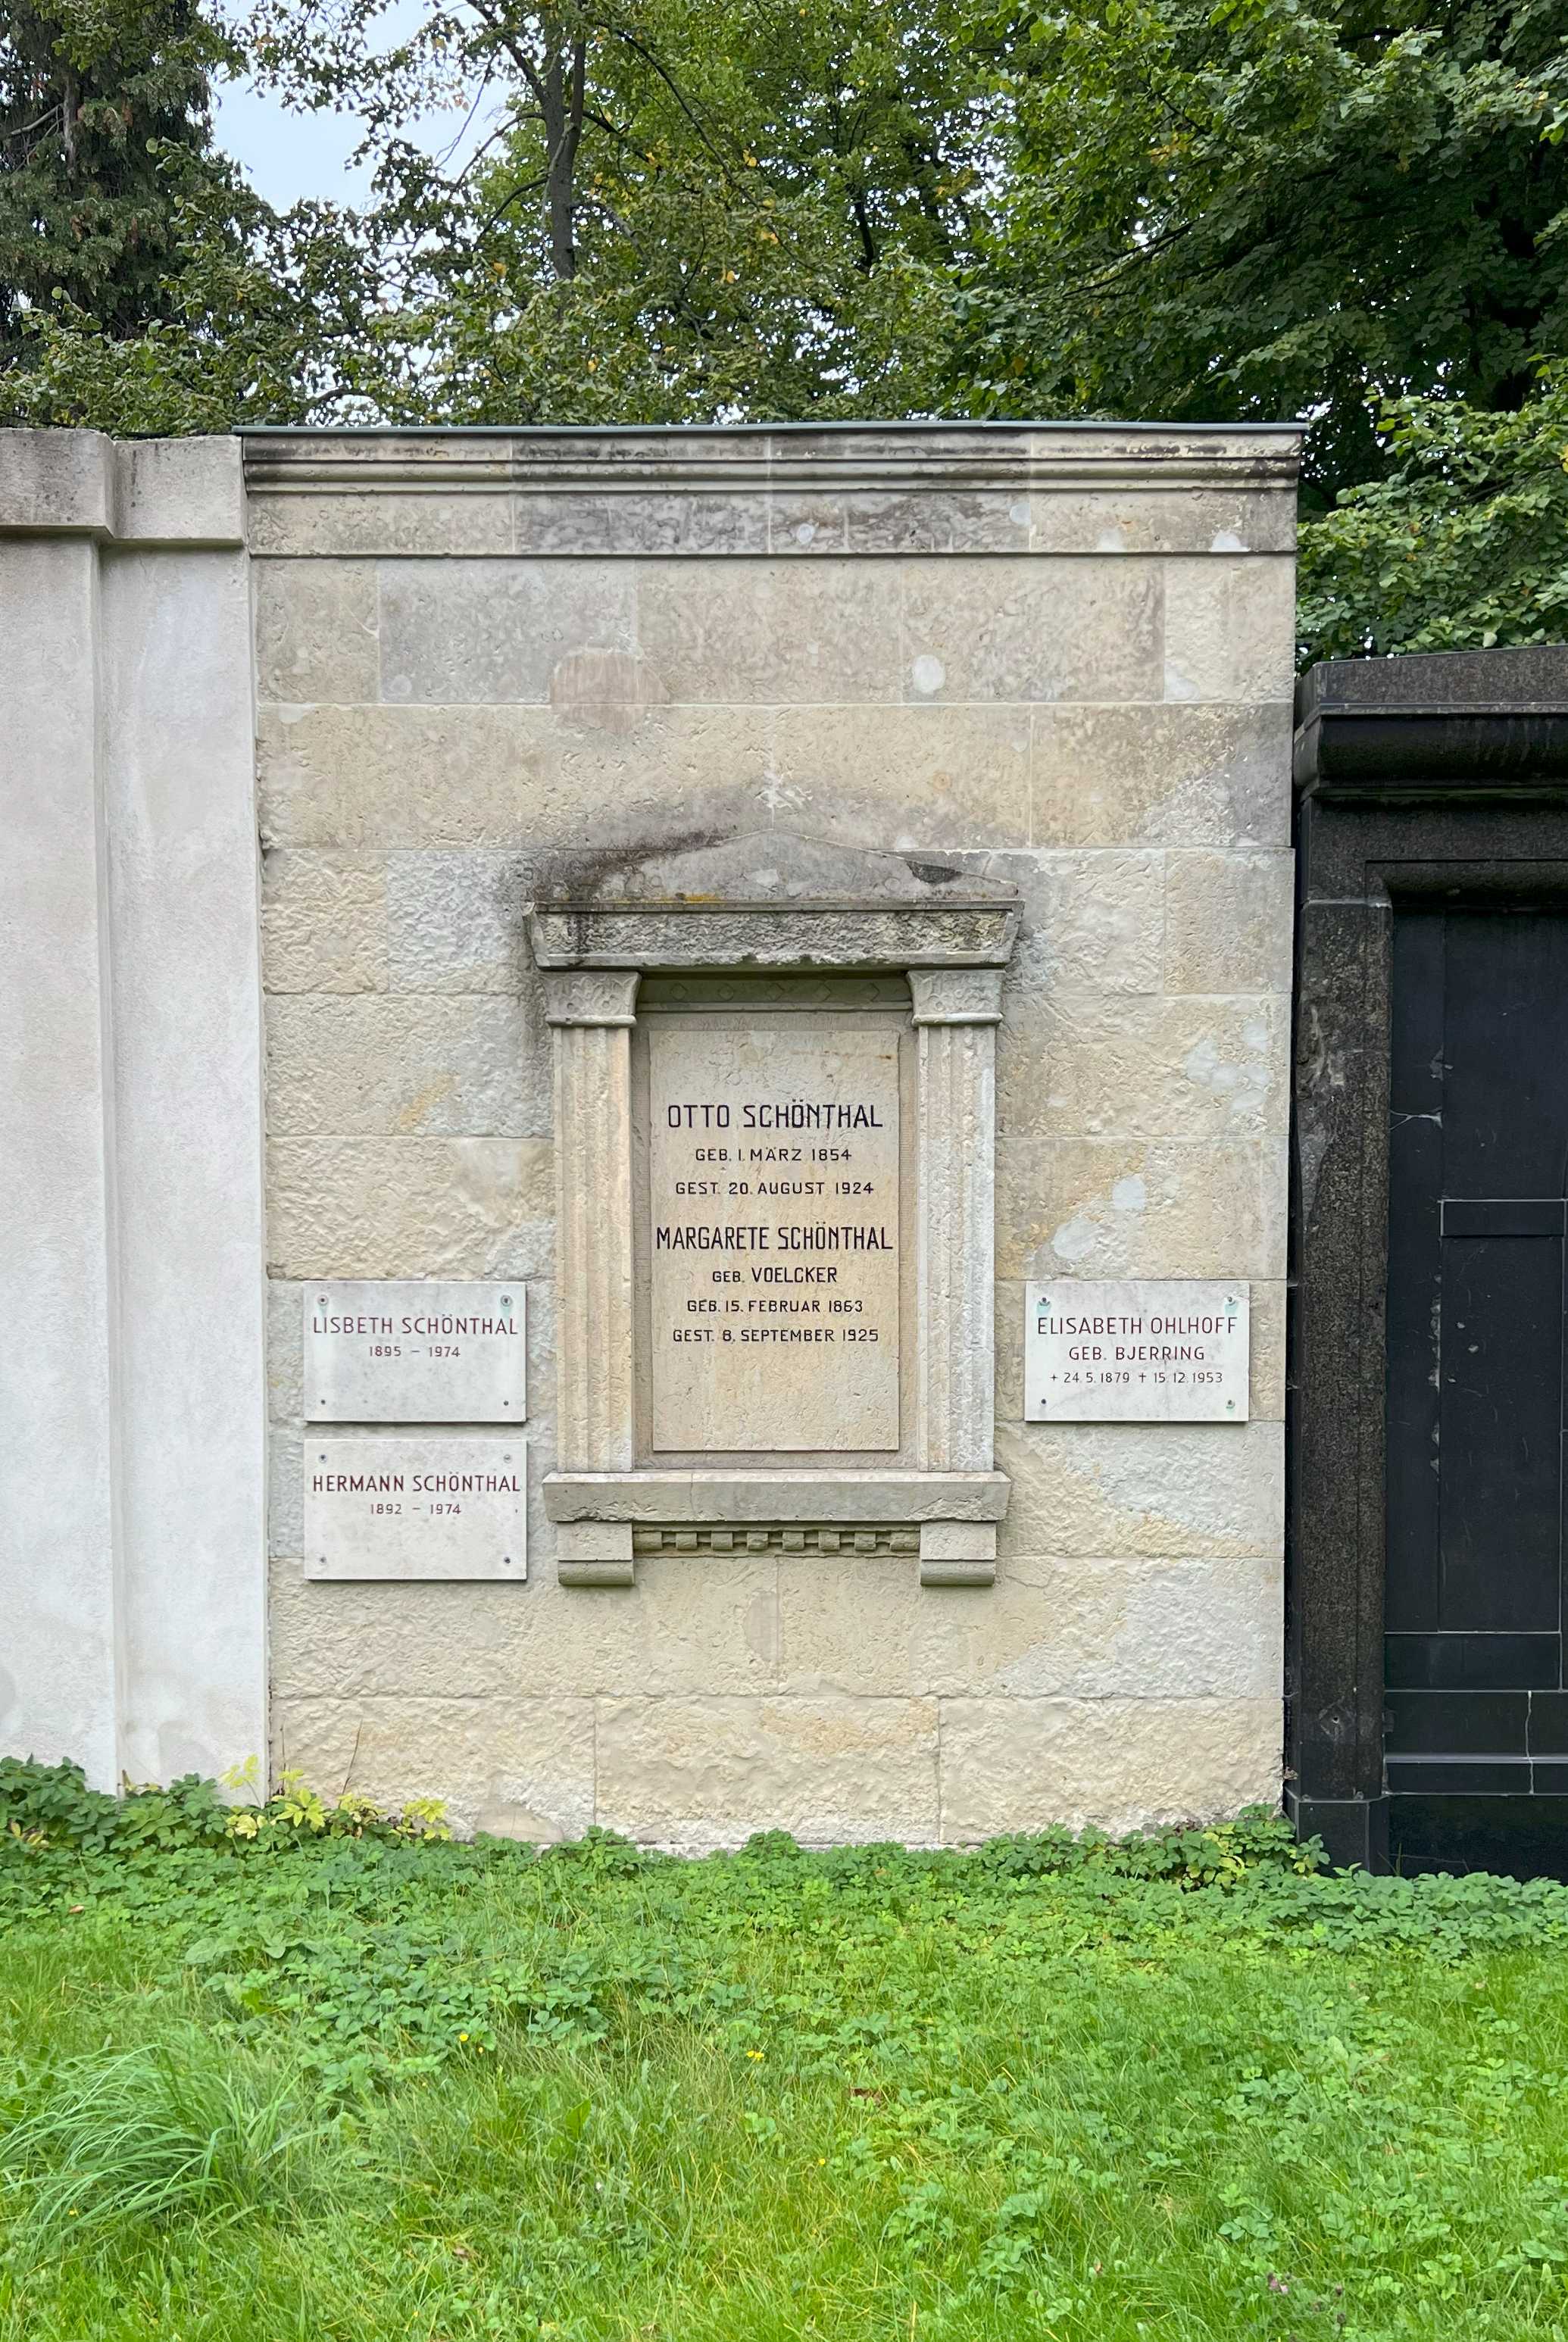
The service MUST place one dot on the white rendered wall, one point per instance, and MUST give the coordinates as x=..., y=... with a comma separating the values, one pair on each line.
x=133, y=1463
x=57, y=1660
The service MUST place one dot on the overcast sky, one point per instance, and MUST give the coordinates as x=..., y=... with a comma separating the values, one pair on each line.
x=288, y=157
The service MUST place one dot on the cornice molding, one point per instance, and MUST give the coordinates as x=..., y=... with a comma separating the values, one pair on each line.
x=774, y=900
x=909, y=460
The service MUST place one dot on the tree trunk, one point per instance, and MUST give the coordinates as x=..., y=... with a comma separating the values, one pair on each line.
x=563, y=95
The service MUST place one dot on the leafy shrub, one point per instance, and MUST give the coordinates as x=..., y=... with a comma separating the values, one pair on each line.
x=1218, y=1855
x=51, y=1807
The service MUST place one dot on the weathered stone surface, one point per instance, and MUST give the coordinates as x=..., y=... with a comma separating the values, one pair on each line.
x=934, y=936
x=345, y=524
x=285, y=1492
x=1156, y=1629
x=1229, y=629
x=407, y=1063
x=165, y=493
x=703, y=1625
x=942, y=777
x=775, y=870
x=455, y=922
x=1163, y=520
x=316, y=631
x=1145, y=1489
x=389, y=777
x=604, y=689
x=59, y=481
x=1008, y=1303
x=1088, y=1627
x=979, y=521
x=1228, y=919
x=652, y=523
x=1119, y=1764
x=1268, y=1374
x=695, y=1773
x=323, y=923
x=1025, y=630
x=1141, y=1207
x=1093, y=923
x=457, y=632
x=180, y=492
x=520, y=1768
x=776, y=632
x=1169, y=776
x=410, y=1207
x=284, y=1352
x=1146, y=1067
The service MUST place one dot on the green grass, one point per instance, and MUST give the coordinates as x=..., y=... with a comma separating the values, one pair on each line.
x=355, y=2089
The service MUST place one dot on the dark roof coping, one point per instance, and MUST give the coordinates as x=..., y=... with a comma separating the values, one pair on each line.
x=1439, y=723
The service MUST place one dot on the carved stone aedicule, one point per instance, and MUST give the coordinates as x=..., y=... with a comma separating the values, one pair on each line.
x=774, y=1087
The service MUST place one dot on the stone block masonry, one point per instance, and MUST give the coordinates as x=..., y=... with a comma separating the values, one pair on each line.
x=1050, y=662
x=1058, y=659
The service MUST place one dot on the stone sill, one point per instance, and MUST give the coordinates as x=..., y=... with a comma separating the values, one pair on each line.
x=596, y=1513
x=743, y=1495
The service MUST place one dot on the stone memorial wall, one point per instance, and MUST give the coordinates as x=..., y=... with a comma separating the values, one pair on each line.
x=766, y=936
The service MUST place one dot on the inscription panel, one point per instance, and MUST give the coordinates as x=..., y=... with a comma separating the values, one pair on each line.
x=408, y=1508
x=416, y=1350
x=773, y=1237
x=1171, y=1350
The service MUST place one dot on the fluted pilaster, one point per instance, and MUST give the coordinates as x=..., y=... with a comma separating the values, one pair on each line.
x=591, y=1012
x=956, y=1011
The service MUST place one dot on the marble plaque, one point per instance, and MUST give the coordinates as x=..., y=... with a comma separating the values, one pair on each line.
x=417, y=1351
x=774, y=1236
x=1172, y=1351
x=416, y=1509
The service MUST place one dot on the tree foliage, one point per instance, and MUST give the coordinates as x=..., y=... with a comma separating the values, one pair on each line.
x=1463, y=543
x=102, y=116
x=684, y=210
x=1263, y=207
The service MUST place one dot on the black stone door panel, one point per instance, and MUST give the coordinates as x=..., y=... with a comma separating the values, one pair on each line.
x=1478, y=1168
